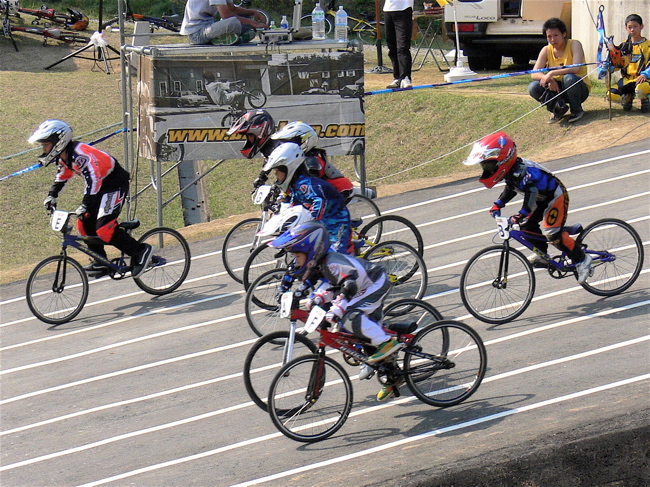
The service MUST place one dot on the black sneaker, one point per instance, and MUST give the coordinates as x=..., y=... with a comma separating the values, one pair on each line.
x=96, y=270
x=645, y=105
x=140, y=260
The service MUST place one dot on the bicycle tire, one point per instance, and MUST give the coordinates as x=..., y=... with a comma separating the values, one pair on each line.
x=411, y=310
x=168, y=153
x=60, y=305
x=362, y=209
x=265, y=358
x=448, y=378
x=493, y=302
x=229, y=118
x=260, y=304
x=328, y=23
x=612, y=235
x=296, y=413
x=170, y=263
x=261, y=260
x=392, y=227
x=256, y=98
x=238, y=245
x=405, y=267
x=367, y=32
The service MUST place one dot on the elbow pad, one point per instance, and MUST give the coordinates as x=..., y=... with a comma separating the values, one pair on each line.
x=349, y=289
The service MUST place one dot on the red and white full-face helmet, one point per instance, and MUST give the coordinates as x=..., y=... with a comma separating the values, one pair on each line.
x=496, y=153
x=258, y=126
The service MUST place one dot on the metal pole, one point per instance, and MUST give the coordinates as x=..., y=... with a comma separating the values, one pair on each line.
x=125, y=108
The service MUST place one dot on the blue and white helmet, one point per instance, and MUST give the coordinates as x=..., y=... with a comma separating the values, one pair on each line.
x=312, y=238
x=56, y=131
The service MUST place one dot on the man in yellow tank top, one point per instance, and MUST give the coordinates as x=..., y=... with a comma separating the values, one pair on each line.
x=561, y=52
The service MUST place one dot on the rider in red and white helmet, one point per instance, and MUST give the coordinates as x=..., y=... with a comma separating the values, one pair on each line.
x=546, y=200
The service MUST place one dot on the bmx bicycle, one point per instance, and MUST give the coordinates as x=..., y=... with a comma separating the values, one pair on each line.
x=275, y=349
x=57, y=288
x=498, y=283
x=311, y=396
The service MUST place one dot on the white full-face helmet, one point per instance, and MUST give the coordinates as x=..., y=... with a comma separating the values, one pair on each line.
x=287, y=157
x=298, y=132
x=56, y=131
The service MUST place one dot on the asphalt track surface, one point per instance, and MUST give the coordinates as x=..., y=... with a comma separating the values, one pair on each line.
x=147, y=391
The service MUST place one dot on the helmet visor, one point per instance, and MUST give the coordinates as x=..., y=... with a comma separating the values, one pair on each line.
x=489, y=168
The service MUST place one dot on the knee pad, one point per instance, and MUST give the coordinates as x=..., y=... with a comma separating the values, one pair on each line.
x=105, y=232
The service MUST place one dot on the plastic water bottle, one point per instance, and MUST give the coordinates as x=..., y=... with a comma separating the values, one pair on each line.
x=341, y=25
x=318, y=23
x=272, y=25
x=284, y=23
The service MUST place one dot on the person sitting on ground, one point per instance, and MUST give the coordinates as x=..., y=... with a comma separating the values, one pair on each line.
x=634, y=66
x=259, y=128
x=235, y=26
x=546, y=200
x=573, y=83
x=323, y=200
x=356, y=288
x=107, y=185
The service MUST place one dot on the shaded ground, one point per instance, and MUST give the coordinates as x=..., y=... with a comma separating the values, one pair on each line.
x=612, y=453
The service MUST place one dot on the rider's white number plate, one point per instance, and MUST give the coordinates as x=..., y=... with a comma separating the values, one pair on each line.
x=316, y=317
x=502, y=225
x=285, y=304
x=261, y=194
x=58, y=220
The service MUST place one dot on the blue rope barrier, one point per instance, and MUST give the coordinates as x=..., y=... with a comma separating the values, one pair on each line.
x=484, y=78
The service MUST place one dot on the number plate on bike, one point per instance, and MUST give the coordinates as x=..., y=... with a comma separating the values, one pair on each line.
x=502, y=225
x=285, y=304
x=58, y=220
x=316, y=317
x=261, y=194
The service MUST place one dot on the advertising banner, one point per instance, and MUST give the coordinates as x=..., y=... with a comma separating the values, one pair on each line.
x=187, y=104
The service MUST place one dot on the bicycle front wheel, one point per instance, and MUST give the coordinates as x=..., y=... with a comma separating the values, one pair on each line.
x=261, y=260
x=265, y=358
x=392, y=227
x=310, y=398
x=367, y=32
x=445, y=363
x=261, y=305
x=238, y=245
x=256, y=98
x=170, y=263
x=411, y=310
x=57, y=290
x=617, y=253
x=362, y=209
x=405, y=268
x=496, y=285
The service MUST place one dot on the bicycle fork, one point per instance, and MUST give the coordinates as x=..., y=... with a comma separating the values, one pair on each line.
x=501, y=281
x=58, y=285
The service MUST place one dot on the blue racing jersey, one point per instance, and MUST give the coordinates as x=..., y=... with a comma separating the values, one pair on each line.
x=536, y=183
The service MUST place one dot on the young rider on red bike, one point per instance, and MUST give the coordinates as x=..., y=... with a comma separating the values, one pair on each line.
x=355, y=287
x=546, y=200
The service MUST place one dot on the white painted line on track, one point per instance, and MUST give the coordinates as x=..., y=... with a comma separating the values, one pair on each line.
x=355, y=413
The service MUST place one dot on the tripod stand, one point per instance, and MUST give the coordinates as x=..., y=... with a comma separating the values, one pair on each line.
x=100, y=55
x=99, y=47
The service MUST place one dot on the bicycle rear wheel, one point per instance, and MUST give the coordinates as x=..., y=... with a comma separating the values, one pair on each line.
x=170, y=263
x=392, y=227
x=265, y=358
x=261, y=306
x=492, y=294
x=310, y=398
x=57, y=289
x=405, y=267
x=256, y=98
x=445, y=363
x=262, y=260
x=617, y=251
x=367, y=32
x=238, y=245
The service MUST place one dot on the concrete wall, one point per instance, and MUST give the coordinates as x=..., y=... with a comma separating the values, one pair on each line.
x=583, y=27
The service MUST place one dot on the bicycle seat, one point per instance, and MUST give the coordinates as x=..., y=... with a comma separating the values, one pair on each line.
x=402, y=328
x=131, y=225
x=574, y=229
